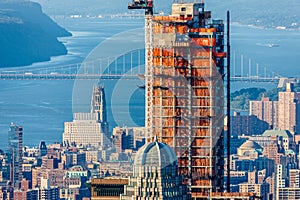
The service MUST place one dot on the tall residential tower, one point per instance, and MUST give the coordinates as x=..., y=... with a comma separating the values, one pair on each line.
x=185, y=93
x=289, y=109
x=15, y=153
x=265, y=110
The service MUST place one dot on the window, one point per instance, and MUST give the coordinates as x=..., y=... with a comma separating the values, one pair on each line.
x=183, y=9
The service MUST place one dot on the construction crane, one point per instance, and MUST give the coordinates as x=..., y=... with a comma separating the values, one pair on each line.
x=140, y=4
x=147, y=5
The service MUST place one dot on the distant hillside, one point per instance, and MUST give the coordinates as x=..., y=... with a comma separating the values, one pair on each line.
x=255, y=12
x=27, y=34
x=240, y=99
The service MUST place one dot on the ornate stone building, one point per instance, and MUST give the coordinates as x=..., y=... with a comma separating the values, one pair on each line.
x=155, y=175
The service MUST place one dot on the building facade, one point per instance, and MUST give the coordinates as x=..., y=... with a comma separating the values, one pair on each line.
x=15, y=153
x=265, y=110
x=289, y=110
x=89, y=129
x=48, y=192
x=85, y=130
x=248, y=125
x=185, y=93
x=155, y=175
x=107, y=189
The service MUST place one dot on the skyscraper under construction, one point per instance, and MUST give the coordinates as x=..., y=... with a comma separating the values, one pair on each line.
x=184, y=91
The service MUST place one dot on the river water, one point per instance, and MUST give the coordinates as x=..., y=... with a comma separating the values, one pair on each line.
x=42, y=106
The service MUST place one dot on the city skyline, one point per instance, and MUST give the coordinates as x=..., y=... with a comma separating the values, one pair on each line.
x=193, y=146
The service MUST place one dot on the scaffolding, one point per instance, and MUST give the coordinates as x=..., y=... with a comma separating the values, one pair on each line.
x=185, y=92
x=188, y=93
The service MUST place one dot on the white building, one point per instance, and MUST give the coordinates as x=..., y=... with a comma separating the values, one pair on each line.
x=89, y=129
x=47, y=192
x=84, y=130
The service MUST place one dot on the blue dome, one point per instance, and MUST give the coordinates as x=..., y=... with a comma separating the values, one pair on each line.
x=155, y=154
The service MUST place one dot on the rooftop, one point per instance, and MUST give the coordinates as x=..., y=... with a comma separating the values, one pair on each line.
x=155, y=154
x=249, y=144
x=282, y=133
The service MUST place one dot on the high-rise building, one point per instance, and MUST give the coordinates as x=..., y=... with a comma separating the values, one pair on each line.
x=265, y=110
x=289, y=110
x=89, y=129
x=118, y=138
x=15, y=153
x=98, y=105
x=279, y=179
x=85, y=130
x=294, y=178
x=185, y=92
x=247, y=125
x=128, y=138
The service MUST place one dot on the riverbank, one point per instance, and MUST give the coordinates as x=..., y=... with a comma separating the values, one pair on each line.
x=28, y=35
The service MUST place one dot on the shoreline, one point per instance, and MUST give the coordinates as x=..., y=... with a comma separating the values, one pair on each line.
x=265, y=27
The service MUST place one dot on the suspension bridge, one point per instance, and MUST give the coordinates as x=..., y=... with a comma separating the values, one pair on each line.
x=127, y=66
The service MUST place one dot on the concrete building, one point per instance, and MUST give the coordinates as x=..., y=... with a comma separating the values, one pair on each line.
x=108, y=188
x=49, y=162
x=237, y=177
x=265, y=110
x=25, y=192
x=288, y=193
x=155, y=175
x=36, y=177
x=289, y=110
x=280, y=177
x=294, y=178
x=85, y=130
x=247, y=125
x=26, y=195
x=89, y=129
x=48, y=192
x=271, y=181
x=75, y=186
x=271, y=151
x=259, y=163
x=119, y=138
x=93, y=155
x=261, y=190
x=284, y=138
x=128, y=138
